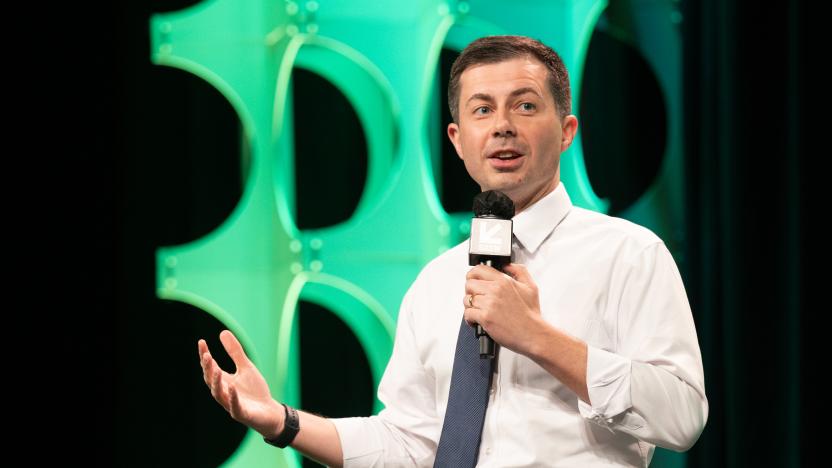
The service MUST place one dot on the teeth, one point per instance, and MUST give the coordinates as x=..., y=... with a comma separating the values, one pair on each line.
x=505, y=155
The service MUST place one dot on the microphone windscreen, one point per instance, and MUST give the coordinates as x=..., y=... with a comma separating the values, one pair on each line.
x=493, y=203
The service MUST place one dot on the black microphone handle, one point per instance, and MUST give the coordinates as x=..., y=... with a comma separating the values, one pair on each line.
x=487, y=346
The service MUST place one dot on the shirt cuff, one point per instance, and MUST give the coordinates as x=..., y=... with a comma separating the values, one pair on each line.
x=359, y=443
x=608, y=385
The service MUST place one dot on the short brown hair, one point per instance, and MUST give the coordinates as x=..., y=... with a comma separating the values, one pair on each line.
x=495, y=49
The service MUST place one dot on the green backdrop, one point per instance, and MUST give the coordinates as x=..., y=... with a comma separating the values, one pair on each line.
x=251, y=272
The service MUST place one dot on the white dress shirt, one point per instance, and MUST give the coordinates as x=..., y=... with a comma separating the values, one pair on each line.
x=602, y=279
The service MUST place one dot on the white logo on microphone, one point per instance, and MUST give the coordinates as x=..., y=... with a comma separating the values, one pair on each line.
x=488, y=233
x=490, y=236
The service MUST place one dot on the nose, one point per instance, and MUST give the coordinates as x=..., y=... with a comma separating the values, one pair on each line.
x=503, y=126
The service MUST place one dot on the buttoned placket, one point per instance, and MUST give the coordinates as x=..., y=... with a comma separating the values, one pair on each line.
x=497, y=384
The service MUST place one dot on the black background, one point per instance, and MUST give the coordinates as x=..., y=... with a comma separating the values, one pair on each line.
x=118, y=139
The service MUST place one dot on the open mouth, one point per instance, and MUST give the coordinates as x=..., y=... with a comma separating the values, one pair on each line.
x=505, y=155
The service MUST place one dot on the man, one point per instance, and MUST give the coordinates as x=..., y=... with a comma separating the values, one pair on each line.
x=599, y=360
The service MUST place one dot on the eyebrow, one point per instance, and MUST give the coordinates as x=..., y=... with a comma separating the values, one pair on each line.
x=515, y=93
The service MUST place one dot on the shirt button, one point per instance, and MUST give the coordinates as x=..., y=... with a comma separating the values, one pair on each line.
x=488, y=450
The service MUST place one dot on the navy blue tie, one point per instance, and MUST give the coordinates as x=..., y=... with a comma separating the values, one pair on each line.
x=459, y=444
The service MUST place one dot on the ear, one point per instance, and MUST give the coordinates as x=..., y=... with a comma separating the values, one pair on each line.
x=453, y=134
x=568, y=131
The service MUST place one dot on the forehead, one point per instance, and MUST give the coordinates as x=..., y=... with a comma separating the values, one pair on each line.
x=502, y=78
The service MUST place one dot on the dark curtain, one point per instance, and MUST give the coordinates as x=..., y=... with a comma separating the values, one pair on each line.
x=746, y=152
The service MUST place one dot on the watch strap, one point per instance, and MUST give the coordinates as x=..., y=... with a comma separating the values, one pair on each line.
x=291, y=426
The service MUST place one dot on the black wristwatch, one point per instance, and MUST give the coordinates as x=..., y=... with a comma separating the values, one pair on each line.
x=291, y=426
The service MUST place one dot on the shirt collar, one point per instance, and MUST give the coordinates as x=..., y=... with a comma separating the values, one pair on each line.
x=534, y=224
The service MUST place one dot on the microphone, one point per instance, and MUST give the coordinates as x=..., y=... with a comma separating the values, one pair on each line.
x=490, y=243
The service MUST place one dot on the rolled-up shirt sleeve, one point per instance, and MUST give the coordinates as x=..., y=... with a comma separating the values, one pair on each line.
x=404, y=432
x=651, y=385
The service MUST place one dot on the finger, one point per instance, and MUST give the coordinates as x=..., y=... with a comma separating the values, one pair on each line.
x=205, y=362
x=234, y=403
x=203, y=350
x=473, y=301
x=520, y=273
x=202, y=347
x=484, y=272
x=211, y=377
x=209, y=367
x=477, y=286
x=217, y=389
x=222, y=387
x=472, y=316
x=234, y=349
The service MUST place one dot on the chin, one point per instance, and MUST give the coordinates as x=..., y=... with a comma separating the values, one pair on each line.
x=505, y=184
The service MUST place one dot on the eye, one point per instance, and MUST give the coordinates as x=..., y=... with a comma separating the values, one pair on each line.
x=528, y=106
x=478, y=109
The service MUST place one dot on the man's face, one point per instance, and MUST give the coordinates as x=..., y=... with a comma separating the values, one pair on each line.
x=509, y=134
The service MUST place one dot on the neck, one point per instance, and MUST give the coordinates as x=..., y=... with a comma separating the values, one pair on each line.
x=521, y=203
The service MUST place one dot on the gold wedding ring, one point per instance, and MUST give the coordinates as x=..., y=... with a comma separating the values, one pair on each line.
x=471, y=300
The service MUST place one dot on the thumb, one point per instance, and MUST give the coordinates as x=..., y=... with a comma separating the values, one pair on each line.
x=234, y=349
x=519, y=273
